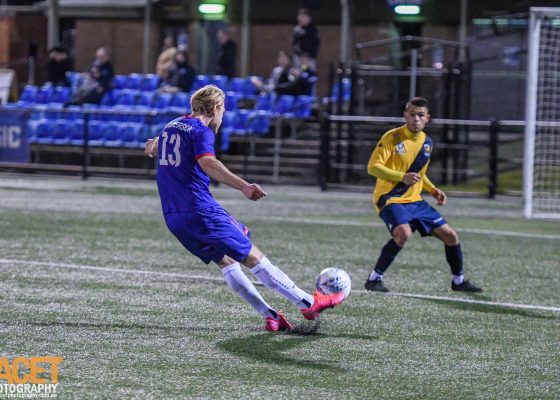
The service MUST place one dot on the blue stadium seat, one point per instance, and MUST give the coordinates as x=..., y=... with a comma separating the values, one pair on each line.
x=181, y=100
x=61, y=94
x=259, y=122
x=111, y=134
x=72, y=113
x=44, y=132
x=227, y=128
x=29, y=94
x=133, y=81
x=264, y=102
x=130, y=134
x=145, y=99
x=74, y=77
x=346, y=84
x=53, y=111
x=232, y=99
x=236, y=84
x=249, y=88
x=45, y=94
x=219, y=80
x=119, y=81
x=76, y=133
x=162, y=100
x=200, y=81
x=283, y=105
x=150, y=82
x=61, y=134
x=126, y=97
x=241, y=122
x=95, y=133
x=303, y=106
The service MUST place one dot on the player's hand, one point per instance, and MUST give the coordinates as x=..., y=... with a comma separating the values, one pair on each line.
x=440, y=196
x=254, y=192
x=149, y=147
x=410, y=178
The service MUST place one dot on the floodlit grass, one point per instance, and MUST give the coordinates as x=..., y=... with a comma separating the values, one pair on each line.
x=164, y=335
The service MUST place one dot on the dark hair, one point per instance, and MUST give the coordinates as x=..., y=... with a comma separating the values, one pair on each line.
x=417, y=102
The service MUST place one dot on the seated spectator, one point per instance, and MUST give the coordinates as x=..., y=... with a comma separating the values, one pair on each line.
x=164, y=61
x=301, y=81
x=57, y=66
x=95, y=82
x=279, y=74
x=225, y=65
x=181, y=75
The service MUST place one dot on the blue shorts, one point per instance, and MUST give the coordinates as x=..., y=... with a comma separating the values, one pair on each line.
x=210, y=234
x=419, y=215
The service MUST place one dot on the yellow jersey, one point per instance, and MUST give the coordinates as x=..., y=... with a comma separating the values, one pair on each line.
x=400, y=151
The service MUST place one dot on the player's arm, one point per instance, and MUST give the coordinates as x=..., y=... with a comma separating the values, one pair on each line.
x=151, y=147
x=436, y=193
x=377, y=167
x=216, y=170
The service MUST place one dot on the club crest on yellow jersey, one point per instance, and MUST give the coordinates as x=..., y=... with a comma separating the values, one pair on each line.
x=400, y=149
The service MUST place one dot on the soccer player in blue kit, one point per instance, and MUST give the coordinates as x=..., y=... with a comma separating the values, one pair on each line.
x=399, y=162
x=185, y=163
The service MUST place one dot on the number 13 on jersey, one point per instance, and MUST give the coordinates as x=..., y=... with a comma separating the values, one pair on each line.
x=174, y=157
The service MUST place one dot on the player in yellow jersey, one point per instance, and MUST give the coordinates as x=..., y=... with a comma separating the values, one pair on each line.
x=399, y=162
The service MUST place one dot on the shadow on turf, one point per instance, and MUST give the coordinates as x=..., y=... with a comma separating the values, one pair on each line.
x=493, y=309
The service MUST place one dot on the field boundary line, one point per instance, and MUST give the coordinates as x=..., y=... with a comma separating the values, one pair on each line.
x=220, y=279
x=379, y=225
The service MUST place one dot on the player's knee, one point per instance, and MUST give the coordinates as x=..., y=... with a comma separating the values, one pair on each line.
x=401, y=236
x=450, y=237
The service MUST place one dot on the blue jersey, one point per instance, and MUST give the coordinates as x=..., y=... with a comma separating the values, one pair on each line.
x=183, y=185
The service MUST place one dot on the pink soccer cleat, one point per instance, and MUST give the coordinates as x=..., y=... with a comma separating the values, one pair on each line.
x=280, y=324
x=321, y=303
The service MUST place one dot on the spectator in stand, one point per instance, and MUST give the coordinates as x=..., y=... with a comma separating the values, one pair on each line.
x=181, y=75
x=96, y=82
x=164, y=61
x=279, y=75
x=301, y=81
x=57, y=66
x=226, y=58
x=305, y=39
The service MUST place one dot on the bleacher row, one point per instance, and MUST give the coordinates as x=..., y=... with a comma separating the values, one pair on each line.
x=135, y=111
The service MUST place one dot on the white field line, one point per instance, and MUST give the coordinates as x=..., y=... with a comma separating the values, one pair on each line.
x=219, y=279
x=376, y=225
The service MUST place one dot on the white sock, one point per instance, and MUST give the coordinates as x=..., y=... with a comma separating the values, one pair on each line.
x=458, y=279
x=241, y=285
x=273, y=278
x=374, y=275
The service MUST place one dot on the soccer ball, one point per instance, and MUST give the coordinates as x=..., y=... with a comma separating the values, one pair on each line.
x=333, y=280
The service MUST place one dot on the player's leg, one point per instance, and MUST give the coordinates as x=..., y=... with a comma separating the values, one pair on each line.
x=396, y=218
x=454, y=256
x=274, y=278
x=240, y=284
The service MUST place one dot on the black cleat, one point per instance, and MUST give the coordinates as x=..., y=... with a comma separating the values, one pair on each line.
x=466, y=286
x=376, y=286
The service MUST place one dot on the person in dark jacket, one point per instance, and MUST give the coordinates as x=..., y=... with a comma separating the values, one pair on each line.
x=226, y=58
x=57, y=66
x=305, y=39
x=181, y=75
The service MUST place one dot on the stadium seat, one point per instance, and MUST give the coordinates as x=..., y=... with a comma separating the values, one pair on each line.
x=283, y=105
x=346, y=84
x=236, y=84
x=61, y=94
x=29, y=94
x=145, y=99
x=73, y=113
x=220, y=81
x=303, y=106
x=231, y=102
x=130, y=134
x=44, y=132
x=162, y=100
x=45, y=94
x=95, y=133
x=76, y=133
x=74, y=77
x=264, y=102
x=133, y=81
x=200, y=81
x=259, y=123
x=241, y=122
x=61, y=133
x=119, y=81
x=126, y=97
x=52, y=111
x=112, y=134
x=149, y=82
x=181, y=100
x=249, y=88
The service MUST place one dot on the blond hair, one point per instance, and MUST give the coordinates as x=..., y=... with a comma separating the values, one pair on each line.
x=205, y=98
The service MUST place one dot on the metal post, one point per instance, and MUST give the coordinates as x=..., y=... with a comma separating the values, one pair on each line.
x=245, y=37
x=345, y=32
x=146, y=57
x=324, y=164
x=85, y=154
x=413, y=73
x=463, y=30
x=493, y=160
x=53, y=26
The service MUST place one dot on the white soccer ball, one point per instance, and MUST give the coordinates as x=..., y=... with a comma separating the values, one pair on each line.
x=333, y=280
